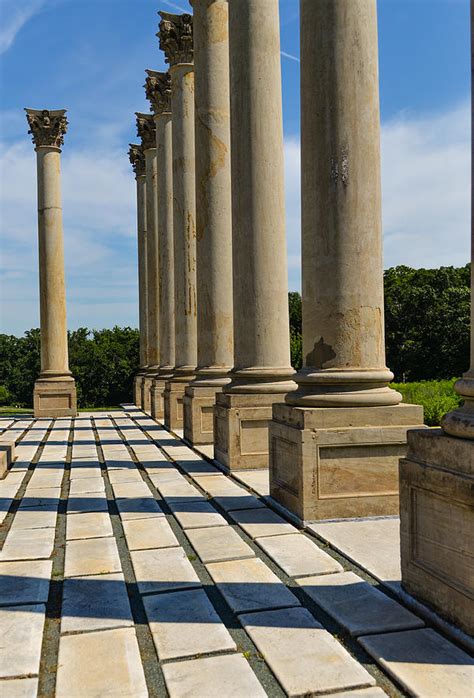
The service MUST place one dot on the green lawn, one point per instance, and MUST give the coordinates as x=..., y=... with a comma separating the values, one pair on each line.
x=436, y=397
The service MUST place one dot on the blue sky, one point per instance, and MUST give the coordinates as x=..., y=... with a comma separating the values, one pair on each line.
x=89, y=56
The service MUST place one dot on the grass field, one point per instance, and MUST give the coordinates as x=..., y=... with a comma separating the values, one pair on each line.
x=436, y=397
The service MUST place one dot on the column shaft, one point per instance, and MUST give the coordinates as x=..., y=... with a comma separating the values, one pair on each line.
x=152, y=258
x=142, y=269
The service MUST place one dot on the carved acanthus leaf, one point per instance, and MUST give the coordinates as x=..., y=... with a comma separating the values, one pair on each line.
x=146, y=130
x=158, y=91
x=47, y=127
x=137, y=158
x=176, y=37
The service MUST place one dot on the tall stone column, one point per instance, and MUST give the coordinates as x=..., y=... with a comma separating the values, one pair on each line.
x=436, y=494
x=147, y=133
x=176, y=40
x=158, y=91
x=54, y=393
x=137, y=160
x=262, y=373
x=335, y=445
x=213, y=218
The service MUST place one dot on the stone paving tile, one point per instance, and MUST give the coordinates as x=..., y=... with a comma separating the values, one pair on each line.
x=196, y=514
x=262, y=522
x=126, y=475
x=106, y=663
x=227, y=494
x=86, y=485
x=184, y=623
x=374, y=692
x=95, y=501
x=79, y=473
x=138, y=508
x=167, y=569
x=19, y=688
x=24, y=582
x=177, y=489
x=28, y=544
x=249, y=585
x=358, y=606
x=47, y=497
x=95, y=602
x=31, y=518
x=218, y=544
x=145, y=534
x=297, y=555
x=212, y=677
x=423, y=662
x=88, y=525
x=258, y=480
x=304, y=657
x=131, y=490
x=197, y=466
x=22, y=633
x=91, y=556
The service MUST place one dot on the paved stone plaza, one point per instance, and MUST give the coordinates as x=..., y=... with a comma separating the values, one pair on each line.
x=131, y=566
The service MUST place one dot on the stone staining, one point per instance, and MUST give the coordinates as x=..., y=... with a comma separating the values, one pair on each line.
x=54, y=393
x=158, y=92
x=176, y=40
x=436, y=498
x=137, y=160
x=147, y=132
x=213, y=218
x=336, y=443
x=262, y=374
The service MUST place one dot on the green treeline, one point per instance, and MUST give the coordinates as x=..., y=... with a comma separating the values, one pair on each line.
x=426, y=331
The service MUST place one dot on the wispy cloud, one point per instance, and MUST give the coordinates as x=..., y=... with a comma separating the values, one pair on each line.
x=290, y=56
x=175, y=6
x=14, y=14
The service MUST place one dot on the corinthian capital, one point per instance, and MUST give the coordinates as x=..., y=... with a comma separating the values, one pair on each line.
x=137, y=159
x=176, y=37
x=47, y=127
x=158, y=91
x=146, y=130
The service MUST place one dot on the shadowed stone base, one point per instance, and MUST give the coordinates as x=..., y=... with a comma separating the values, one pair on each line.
x=241, y=429
x=146, y=392
x=55, y=398
x=437, y=523
x=329, y=463
x=174, y=395
x=198, y=407
x=137, y=389
x=157, y=392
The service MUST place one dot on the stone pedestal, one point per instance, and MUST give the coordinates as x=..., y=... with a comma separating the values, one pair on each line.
x=173, y=404
x=147, y=382
x=198, y=416
x=55, y=398
x=137, y=388
x=157, y=398
x=437, y=524
x=338, y=463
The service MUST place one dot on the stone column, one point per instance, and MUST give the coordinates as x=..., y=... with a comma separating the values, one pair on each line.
x=146, y=131
x=176, y=40
x=54, y=393
x=213, y=218
x=436, y=495
x=262, y=373
x=137, y=160
x=335, y=445
x=158, y=90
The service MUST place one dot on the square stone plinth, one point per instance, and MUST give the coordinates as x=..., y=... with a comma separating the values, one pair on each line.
x=328, y=463
x=174, y=396
x=146, y=392
x=241, y=429
x=157, y=393
x=55, y=398
x=137, y=389
x=198, y=409
x=437, y=524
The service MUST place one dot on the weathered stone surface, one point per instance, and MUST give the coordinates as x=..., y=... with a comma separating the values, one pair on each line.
x=99, y=664
x=297, y=555
x=212, y=677
x=95, y=602
x=197, y=466
x=89, y=525
x=423, y=662
x=258, y=480
x=144, y=534
x=374, y=692
x=46, y=477
x=21, y=688
x=249, y=585
x=125, y=475
x=7, y=454
x=218, y=544
x=95, y=501
x=138, y=508
x=305, y=658
x=28, y=544
x=86, y=485
x=30, y=518
x=196, y=514
x=184, y=624
x=24, y=582
x=47, y=497
x=163, y=570
x=178, y=488
x=227, y=493
x=22, y=632
x=94, y=556
x=359, y=607
x=262, y=522
x=131, y=490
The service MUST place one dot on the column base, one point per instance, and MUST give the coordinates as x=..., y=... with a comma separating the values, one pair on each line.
x=157, y=392
x=241, y=429
x=173, y=407
x=55, y=398
x=198, y=417
x=437, y=524
x=137, y=389
x=332, y=463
